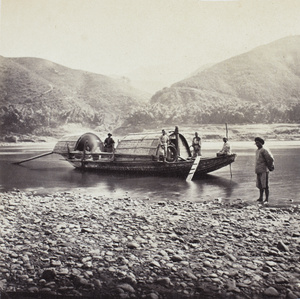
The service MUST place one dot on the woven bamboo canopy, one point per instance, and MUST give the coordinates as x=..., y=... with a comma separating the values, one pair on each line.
x=147, y=144
x=144, y=144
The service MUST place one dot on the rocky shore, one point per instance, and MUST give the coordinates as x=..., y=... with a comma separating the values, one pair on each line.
x=85, y=246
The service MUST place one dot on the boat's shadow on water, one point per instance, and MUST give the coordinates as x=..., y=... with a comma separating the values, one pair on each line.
x=224, y=186
x=157, y=187
x=50, y=174
x=58, y=176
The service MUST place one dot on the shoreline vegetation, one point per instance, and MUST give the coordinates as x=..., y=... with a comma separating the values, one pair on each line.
x=57, y=245
x=209, y=132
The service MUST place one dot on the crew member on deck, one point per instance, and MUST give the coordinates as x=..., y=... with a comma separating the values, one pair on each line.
x=225, y=149
x=109, y=144
x=163, y=145
x=196, y=144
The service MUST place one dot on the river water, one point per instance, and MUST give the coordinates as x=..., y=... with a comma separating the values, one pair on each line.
x=51, y=174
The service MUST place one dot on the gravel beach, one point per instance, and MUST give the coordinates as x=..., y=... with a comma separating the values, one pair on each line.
x=86, y=246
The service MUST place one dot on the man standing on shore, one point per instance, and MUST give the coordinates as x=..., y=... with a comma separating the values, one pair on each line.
x=264, y=162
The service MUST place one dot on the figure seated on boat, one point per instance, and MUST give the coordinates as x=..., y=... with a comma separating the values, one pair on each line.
x=171, y=153
x=162, y=146
x=225, y=149
x=86, y=151
x=109, y=144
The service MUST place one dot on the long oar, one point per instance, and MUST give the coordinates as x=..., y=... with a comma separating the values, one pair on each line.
x=193, y=169
x=32, y=158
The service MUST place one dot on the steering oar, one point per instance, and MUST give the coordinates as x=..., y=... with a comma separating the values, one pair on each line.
x=32, y=158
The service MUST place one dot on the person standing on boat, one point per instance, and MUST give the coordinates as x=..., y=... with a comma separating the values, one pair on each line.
x=196, y=144
x=163, y=145
x=109, y=144
x=225, y=149
x=264, y=162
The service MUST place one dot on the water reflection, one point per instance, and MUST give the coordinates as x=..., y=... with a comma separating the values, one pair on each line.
x=153, y=188
x=50, y=174
x=227, y=185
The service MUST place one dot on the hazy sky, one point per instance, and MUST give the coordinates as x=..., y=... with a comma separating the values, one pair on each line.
x=119, y=36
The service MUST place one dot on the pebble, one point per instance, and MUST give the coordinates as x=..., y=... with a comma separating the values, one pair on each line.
x=271, y=263
x=146, y=249
x=270, y=291
x=164, y=281
x=132, y=245
x=127, y=287
x=155, y=264
x=281, y=246
x=176, y=258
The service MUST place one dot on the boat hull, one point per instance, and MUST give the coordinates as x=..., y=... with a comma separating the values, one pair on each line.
x=178, y=168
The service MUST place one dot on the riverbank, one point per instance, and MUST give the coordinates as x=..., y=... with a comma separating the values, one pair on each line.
x=67, y=244
x=208, y=132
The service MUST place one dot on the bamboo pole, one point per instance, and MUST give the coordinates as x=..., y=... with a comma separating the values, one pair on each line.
x=226, y=128
x=32, y=158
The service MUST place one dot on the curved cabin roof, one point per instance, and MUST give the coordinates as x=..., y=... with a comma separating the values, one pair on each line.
x=147, y=144
x=76, y=143
x=132, y=144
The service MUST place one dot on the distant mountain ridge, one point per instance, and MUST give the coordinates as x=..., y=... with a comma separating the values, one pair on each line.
x=270, y=72
x=260, y=86
x=38, y=95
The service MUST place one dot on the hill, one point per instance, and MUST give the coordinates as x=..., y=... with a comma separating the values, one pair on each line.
x=44, y=98
x=153, y=78
x=260, y=86
x=38, y=96
x=270, y=72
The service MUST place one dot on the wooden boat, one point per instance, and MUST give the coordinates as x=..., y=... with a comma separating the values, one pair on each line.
x=137, y=154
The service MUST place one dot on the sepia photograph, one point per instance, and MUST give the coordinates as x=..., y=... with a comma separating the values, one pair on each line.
x=149, y=149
